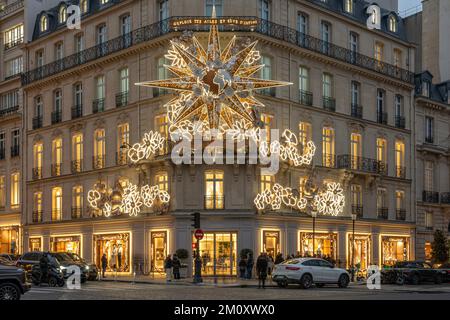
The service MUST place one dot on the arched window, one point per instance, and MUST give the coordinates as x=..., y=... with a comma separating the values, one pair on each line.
x=84, y=6
x=62, y=17
x=392, y=24
x=44, y=23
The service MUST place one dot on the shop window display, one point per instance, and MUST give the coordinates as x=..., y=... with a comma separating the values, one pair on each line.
x=394, y=249
x=361, y=251
x=8, y=239
x=428, y=251
x=35, y=244
x=271, y=243
x=117, y=249
x=324, y=245
x=159, y=250
x=65, y=244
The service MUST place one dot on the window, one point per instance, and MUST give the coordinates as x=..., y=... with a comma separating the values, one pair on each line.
x=2, y=192
x=161, y=124
x=397, y=58
x=400, y=159
x=78, y=94
x=9, y=100
x=125, y=26
x=348, y=6
x=327, y=85
x=267, y=122
x=37, y=206
x=356, y=191
x=123, y=141
x=57, y=101
x=56, y=156
x=100, y=87
x=2, y=145
x=379, y=48
x=163, y=10
x=304, y=133
x=381, y=114
x=43, y=23
x=99, y=148
x=15, y=190
x=62, y=16
x=426, y=89
x=266, y=74
x=429, y=129
x=382, y=150
x=77, y=202
x=59, y=51
x=101, y=34
x=355, y=93
x=56, y=204
x=328, y=147
x=325, y=36
x=398, y=106
x=209, y=5
x=214, y=198
x=79, y=43
x=265, y=9
x=303, y=79
x=77, y=152
x=39, y=58
x=162, y=74
x=429, y=176
x=302, y=23
x=399, y=200
x=267, y=182
x=13, y=66
x=38, y=107
x=429, y=220
x=381, y=198
x=162, y=180
x=392, y=24
x=354, y=45
x=124, y=82
x=302, y=185
x=356, y=150
x=15, y=136
x=103, y=2
x=13, y=36
x=84, y=6
x=38, y=158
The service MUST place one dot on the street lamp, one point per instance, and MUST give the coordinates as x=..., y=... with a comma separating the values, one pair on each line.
x=353, y=246
x=314, y=216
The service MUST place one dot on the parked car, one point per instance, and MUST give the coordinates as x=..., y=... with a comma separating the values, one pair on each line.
x=445, y=267
x=57, y=259
x=414, y=272
x=90, y=267
x=10, y=256
x=13, y=282
x=309, y=271
x=6, y=262
x=55, y=276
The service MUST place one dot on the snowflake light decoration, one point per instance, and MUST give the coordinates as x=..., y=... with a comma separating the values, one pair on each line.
x=214, y=86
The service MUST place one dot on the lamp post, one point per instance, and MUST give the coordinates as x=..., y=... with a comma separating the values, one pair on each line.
x=353, y=246
x=314, y=216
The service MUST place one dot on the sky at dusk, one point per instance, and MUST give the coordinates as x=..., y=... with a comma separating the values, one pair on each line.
x=407, y=4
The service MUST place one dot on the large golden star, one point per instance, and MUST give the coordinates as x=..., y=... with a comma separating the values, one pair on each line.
x=215, y=86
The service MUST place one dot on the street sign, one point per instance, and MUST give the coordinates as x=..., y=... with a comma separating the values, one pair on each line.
x=198, y=234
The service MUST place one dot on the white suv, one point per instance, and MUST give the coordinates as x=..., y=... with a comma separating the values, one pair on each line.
x=306, y=271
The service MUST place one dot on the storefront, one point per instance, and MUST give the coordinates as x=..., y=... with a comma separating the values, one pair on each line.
x=325, y=244
x=9, y=237
x=116, y=247
x=393, y=249
x=158, y=249
x=361, y=250
x=70, y=244
x=271, y=242
x=218, y=251
x=35, y=244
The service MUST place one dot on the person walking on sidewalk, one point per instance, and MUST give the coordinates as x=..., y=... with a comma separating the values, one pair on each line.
x=262, y=264
x=249, y=265
x=176, y=265
x=242, y=267
x=168, y=268
x=104, y=264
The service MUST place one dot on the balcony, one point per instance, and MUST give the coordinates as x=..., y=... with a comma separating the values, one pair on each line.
x=357, y=111
x=13, y=43
x=400, y=122
x=77, y=111
x=305, y=97
x=98, y=162
x=430, y=196
x=37, y=122
x=56, y=116
x=268, y=92
x=77, y=212
x=2, y=154
x=350, y=162
x=121, y=158
x=400, y=214
x=328, y=160
x=429, y=139
x=383, y=213
x=329, y=104
x=8, y=111
x=15, y=151
x=382, y=117
x=37, y=173
x=122, y=99
x=56, y=169
x=37, y=216
x=358, y=210
x=56, y=215
x=445, y=197
x=11, y=8
x=214, y=202
x=400, y=172
x=98, y=105
x=76, y=166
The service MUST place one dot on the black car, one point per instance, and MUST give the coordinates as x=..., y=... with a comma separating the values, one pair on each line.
x=91, y=268
x=414, y=272
x=12, y=282
x=55, y=276
x=445, y=271
x=56, y=259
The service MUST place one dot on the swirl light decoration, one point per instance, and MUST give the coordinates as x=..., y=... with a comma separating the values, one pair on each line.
x=214, y=86
x=279, y=195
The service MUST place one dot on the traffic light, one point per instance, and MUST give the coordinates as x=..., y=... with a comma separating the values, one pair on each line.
x=196, y=220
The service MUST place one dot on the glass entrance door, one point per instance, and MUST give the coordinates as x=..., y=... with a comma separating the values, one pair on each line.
x=159, y=249
x=218, y=253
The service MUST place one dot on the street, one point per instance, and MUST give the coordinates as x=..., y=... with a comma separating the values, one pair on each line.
x=111, y=290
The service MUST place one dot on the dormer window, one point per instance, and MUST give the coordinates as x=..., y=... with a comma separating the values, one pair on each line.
x=62, y=17
x=426, y=89
x=348, y=6
x=392, y=24
x=84, y=6
x=44, y=23
x=103, y=2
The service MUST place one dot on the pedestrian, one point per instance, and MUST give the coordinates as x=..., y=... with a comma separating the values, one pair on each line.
x=261, y=269
x=176, y=265
x=279, y=258
x=104, y=264
x=242, y=267
x=249, y=266
x=269, y=264
x=168, y=268
x=43, y=268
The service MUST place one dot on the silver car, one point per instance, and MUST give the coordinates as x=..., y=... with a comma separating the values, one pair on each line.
x=309, y=271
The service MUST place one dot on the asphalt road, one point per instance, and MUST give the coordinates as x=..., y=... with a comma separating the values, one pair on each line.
x=104, y=290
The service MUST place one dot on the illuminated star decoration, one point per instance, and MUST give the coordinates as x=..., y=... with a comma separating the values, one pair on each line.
x=214, y=86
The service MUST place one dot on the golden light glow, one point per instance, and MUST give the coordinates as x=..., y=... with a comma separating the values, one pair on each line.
x=277, y=196
x=331, y=201
x=151, y=144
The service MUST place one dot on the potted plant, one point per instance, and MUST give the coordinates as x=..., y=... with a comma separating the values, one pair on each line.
x=183, y=254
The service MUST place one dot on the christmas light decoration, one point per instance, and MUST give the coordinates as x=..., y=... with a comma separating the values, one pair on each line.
x=151, y=143
x=289, y=151
x=331, y=201
x=279, y=195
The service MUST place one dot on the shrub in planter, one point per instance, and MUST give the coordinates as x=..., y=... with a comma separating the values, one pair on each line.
x=245, y=253
x=183, y=254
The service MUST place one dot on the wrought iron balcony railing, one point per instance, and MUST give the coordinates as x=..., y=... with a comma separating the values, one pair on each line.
x=382, y=117
x=56, y=169
x=98, y=105
x=37, y=216
x=15, y=150
x=400, y=122
x=329, y=160
x=7, y=111
x=305, y=97
x=383, y=213
x=13, y=43
x=37, y=173
x=357, y=111
x=358, y=210
x=77, y=166
x=329, y=104
x=215, y=202
x=445, y=197
x=347, y=161
x=400, y=172
x=56, y=116
x=121, y=158
x=37, y=122
x=430, y=196
x=11, y=8
x=2, y=153
x=122, y=99
x=400, y=214
x=56, y=214
x=77, y=111
x=77, y=212
x=264, y=27
x=98, y=162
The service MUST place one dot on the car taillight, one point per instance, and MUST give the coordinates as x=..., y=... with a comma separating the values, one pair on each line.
x=293, y=268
